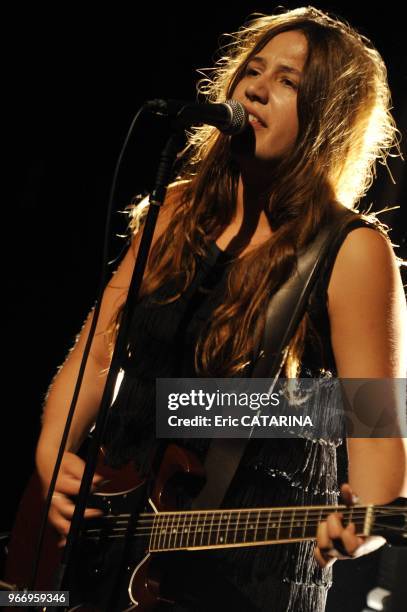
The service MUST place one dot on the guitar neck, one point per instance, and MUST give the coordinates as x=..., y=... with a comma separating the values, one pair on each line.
x=195, y=530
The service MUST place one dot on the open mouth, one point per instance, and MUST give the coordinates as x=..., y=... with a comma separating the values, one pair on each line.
x=255, y=121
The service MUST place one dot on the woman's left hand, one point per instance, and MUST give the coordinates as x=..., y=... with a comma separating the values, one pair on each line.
x=334, y=541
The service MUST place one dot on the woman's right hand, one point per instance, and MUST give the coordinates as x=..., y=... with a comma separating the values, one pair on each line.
x=67, y=485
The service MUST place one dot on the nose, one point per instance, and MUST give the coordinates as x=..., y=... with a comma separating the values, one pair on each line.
x=257, y=91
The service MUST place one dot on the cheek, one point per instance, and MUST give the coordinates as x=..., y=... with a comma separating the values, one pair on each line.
x=237, y=92
x=288, y=124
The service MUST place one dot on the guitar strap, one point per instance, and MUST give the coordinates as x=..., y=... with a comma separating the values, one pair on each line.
x=284, y=313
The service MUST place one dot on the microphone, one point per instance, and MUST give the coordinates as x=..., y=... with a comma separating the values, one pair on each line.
x=229, y=117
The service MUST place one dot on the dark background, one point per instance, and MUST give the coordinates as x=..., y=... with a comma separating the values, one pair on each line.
x=72, y=81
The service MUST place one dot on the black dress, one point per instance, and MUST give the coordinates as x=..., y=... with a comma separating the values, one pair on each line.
x=273, y=472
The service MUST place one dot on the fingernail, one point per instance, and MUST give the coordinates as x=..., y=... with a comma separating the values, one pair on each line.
x=101, y=483
x=355, y=499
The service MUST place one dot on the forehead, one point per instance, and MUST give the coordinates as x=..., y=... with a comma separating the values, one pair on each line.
x=287, y=47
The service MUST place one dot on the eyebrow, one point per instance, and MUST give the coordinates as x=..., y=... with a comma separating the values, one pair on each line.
x=280, y=68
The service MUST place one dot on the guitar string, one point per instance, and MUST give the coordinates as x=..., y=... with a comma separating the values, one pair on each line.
x=214, y=527
x=225, y=524
x=203, y=534
x=171, y=531
x=395, y=510
x=203, y=516
x=167, y=518
x=154, y=520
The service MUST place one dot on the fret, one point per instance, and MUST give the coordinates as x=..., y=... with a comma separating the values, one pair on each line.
x=173, y=531
x=266, y=532
x=178, y=535
x=261, y=529
x=219, y=519
x=169, y=529
x=209, y=538
x=290, y=531
x=297, y=525
x=203, y=529
x=227, y=528
x=154, y=533
x=359, y=521
x=305, y=521
x=285, y=524
x=369, y=518
x=273, y=526
x=196, y=517
x=151, y=541
x=246, y=526
x=167, y=532
x=252, y=526
x=160, y=530
x=199, y=526
x=237, y=526
x=190, y=529
x=184, y=532
x=279, y=524
x=256, y=528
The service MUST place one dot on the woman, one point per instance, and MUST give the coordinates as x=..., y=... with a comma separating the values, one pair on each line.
x=227, y=237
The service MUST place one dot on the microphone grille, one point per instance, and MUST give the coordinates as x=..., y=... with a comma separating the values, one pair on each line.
x=238, y=119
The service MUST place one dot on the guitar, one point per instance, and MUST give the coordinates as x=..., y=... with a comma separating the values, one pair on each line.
x=132, y=550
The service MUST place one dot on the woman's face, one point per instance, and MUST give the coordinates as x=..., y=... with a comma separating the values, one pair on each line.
x=268, y=91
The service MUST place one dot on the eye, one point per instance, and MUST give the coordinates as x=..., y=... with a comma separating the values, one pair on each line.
x=289, y=83
x=249, y=71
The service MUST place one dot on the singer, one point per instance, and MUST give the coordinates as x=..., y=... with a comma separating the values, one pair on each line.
x=235, y=218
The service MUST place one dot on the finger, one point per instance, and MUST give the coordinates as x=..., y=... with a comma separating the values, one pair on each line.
x=72, y=475
x=61, y=542
x=334, y=525
x=67, y=485
x=70, y=485
x=92, y=513
x=350, y=540
x=321, y=559
x=99, y=484
x=73, y=465
x=66, y=507
x=62, y=505
x=323, y=540
x=61, y=525
x=347, y=495
x=324, y=545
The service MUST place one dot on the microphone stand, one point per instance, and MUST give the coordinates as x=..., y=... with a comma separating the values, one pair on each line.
x=163, y=177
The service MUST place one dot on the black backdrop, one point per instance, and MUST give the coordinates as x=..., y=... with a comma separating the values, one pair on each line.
x=72, y=82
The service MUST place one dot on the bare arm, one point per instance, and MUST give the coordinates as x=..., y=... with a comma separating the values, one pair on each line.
x=367, y=311
x=61, y=391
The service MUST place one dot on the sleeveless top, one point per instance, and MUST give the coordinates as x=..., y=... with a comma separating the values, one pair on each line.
x=273, y=472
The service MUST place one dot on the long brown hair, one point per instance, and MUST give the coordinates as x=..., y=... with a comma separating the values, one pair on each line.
x=344, y=126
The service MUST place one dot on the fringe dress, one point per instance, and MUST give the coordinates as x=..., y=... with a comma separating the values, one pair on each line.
x=273, y=472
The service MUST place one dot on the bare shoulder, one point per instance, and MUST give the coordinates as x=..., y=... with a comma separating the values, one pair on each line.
x=365, y=259
x=165, y=214
x=367, y=308
x=121, y=277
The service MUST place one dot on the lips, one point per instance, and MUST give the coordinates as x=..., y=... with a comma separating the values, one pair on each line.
x=255, y=117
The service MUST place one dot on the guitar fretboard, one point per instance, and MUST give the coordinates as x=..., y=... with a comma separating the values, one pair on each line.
x=228, y=528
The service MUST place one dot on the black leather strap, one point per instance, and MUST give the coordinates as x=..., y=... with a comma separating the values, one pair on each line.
x=284, y=313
